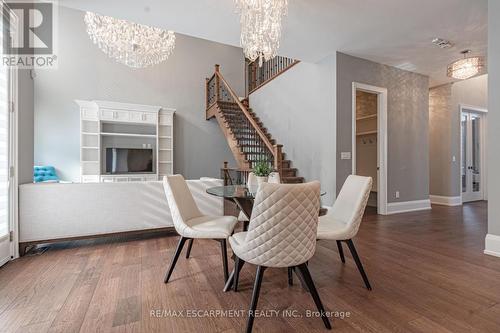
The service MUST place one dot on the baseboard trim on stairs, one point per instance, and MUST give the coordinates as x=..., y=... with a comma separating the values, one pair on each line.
x=408, y=206
x=492, y=245
x=445, y=201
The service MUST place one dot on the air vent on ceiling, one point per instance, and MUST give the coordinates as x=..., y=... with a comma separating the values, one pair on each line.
x=442, y=43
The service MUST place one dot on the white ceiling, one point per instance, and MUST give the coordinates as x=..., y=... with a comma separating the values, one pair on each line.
x=392, y=32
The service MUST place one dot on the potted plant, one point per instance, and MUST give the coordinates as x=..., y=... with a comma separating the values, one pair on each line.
x=262, y=169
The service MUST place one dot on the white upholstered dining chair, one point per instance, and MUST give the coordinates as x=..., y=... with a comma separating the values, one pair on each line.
x=190, y=223
x=341, y=223
x=274, y=178
x=282, y=233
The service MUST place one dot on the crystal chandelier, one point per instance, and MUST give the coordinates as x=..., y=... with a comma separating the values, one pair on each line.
x=467, y=67
x=132, y=44
x=261, y=27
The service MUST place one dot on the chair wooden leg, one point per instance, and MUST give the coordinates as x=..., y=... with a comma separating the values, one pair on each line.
x=290, y=276
x=314, y=293
x=238, y=265
x=223, y=248
x=255, y=297
x=190, y=245
x=352, y=248
x=341, y=251
x=178, y=251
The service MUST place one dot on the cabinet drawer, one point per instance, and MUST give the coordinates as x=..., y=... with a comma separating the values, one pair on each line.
x=90, y=179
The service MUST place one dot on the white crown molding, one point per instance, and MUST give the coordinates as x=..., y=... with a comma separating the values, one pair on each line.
x=122, y=106
x=408, y=206
x=492, y=245
x=445, y=201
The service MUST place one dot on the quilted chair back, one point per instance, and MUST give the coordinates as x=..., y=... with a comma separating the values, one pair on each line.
x=180, y=201
x=283, y=225
x=351, y=202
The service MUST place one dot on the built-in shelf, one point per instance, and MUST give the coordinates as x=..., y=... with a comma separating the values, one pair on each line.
x=372, y=116
x=366, y=133
x=129, y=135
x=105, y=123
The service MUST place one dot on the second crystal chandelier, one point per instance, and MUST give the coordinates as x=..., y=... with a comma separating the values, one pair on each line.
x=261, y=27
x=132, y=44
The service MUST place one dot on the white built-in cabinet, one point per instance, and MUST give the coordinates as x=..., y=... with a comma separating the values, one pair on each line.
x=111, y=124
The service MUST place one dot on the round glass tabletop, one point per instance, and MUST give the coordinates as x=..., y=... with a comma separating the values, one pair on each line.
x=235, y=191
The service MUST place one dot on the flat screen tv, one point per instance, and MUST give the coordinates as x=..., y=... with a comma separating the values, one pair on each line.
x=129, y=160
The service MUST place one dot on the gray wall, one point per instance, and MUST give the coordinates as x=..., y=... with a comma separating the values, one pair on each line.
x=494, y=117
x=85, y=72
x=25, y=126
x=441, y=162
x=298, y=108
x=407, y=121
x=444, y=131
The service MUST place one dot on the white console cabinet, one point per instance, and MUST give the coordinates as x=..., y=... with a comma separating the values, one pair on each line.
x=111, y=124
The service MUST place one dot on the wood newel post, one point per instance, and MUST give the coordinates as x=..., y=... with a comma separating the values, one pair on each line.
x=207, y=93
x=225, y=173
x=278, y=159
x=217, y=83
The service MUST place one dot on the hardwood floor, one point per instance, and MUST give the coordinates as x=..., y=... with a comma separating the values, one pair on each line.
x=427, y=270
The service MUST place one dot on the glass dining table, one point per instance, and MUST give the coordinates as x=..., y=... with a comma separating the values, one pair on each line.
x=243, y=197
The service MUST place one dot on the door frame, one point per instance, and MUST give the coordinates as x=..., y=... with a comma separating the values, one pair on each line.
x=381, y=140
x=483, y=112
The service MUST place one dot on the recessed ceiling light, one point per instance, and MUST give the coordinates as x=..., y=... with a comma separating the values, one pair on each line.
x=442, y=43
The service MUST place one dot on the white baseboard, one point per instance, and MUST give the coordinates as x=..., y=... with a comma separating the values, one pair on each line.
x=408, y=206
x=445, y=201
x=492, y=245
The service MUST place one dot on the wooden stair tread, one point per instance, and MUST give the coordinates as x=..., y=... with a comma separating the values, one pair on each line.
x=293, y=180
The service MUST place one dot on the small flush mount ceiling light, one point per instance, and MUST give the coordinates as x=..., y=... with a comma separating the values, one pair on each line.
x=467, y=67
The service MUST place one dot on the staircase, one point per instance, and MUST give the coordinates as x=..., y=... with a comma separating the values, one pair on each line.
x=246, y=135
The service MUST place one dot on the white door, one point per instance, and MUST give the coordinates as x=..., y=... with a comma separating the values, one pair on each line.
x=472, y=156
x=5, y=249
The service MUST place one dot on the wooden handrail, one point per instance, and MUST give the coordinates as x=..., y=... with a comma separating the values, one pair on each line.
x=249, y=117
x=269, y=70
